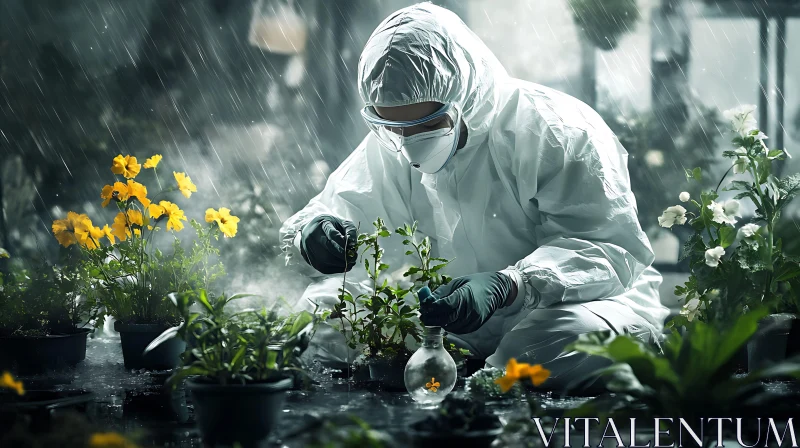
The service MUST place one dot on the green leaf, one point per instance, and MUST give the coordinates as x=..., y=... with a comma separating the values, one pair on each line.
x=697, y=174
x=775, y=154
x=384, y=233
x=202, y=297
x=727, y=235
x=163, y=337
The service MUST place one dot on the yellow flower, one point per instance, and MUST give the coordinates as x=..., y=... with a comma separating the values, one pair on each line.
x=120, y=227
x=138, y=191
x=7, y=381
x=109, y=234
x=135, y=218
x=4, y=253
x=126, y=166
x=516, y=371
x=174, y=215
x=227, y=223
x=88, y=235
x=118, y=192
x=155, y=211
x=152, y=162
x=185, y=184
x=109, y=440
x=64, y=229
x=433, y=386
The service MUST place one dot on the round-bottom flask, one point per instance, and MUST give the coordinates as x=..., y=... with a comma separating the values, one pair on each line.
x=431, y=372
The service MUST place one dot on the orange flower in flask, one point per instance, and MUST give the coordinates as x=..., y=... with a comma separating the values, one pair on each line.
x=433, y=385
x=126, y=166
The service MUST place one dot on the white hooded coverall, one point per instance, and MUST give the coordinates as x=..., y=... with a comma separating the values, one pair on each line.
x=540, y=187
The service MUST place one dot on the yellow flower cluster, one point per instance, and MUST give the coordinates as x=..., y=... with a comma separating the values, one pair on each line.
x=78, y=228
x=110, y=440
x=516, y=371
x=7, y=381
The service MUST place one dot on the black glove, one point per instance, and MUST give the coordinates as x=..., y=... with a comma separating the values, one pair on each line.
x=322, y=244
x=466, y=303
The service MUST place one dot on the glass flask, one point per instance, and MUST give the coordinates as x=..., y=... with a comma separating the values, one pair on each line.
x=431, y=372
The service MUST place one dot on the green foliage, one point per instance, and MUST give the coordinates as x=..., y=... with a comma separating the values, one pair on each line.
x=236, y=347
x=753, y=268
x=691, y=378
x=134, y=280
x=43, y=300
x=381, y=320
x=427, y=272
x=603, y=22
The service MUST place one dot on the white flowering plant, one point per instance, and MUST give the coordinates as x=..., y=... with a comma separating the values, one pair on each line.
x=738, y=266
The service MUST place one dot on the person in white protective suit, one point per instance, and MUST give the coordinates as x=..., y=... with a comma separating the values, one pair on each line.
x=525, y=188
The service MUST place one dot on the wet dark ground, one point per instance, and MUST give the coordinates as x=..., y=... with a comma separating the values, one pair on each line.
x=134, y=402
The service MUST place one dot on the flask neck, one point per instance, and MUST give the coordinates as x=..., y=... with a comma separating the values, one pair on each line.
x=433, y=337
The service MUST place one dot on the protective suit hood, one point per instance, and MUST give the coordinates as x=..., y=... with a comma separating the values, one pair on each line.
x=426, y=53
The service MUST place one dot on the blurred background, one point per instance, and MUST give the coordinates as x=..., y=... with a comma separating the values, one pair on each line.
x=256, y=100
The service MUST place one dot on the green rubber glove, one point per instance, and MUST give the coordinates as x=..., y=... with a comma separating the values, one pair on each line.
x=322, y=244
x=466, y=303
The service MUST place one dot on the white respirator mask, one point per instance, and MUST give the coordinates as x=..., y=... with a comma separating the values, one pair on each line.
x=427, y=143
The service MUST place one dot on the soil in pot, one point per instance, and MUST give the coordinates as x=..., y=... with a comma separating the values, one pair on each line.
x=244, y=414
x=770, y=344
x=136, y=337
x=39, y=354
x=388, y=372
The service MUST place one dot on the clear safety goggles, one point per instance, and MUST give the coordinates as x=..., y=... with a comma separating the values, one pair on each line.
x=393, y=134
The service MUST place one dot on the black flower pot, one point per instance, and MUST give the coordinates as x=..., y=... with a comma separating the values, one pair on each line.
x=483, y=431
x=389, y=373
x=774, y=341
x=244, y=414
x=136, y=337
x=39, y=354
x=37, y=407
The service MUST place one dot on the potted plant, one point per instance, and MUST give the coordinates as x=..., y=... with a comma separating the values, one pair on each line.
x=239, y=365
x=42, y=313
x=384, y=320
x=690, y=378
x=736, y=268
x=134, y=269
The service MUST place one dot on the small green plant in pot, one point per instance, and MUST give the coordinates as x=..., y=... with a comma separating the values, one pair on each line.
x=238, y=366
x=735, y=267
x=133, y=269
x=42, y=314
x=690, y=378
x=383, y=321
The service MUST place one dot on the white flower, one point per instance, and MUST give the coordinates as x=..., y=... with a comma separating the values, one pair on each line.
x=654, y=158
x=713, y=256
x=725, y=213
x=712, y=295
x=684, y=196
x=691, y=309
x=748, y=230
x=671, y=216
x=742, y=118
x=742, y=162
